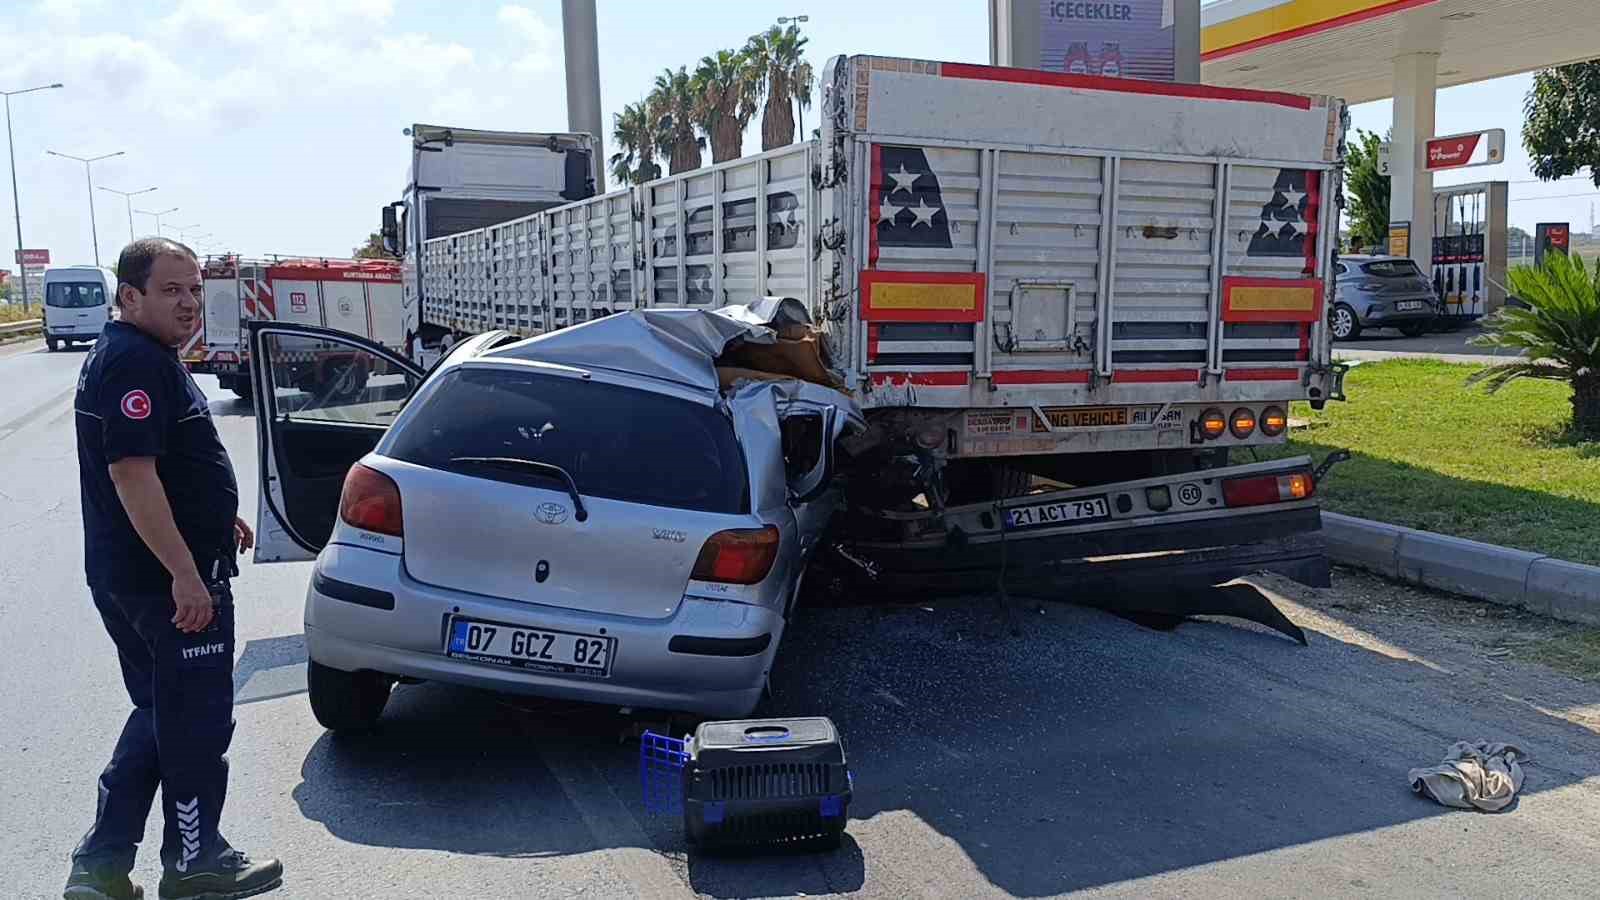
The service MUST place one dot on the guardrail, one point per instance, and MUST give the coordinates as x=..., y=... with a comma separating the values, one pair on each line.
x=20, y=328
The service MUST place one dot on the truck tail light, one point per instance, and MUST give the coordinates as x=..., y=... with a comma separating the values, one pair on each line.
x=737, y=556
x=1213, y=423
x=371, y=502
x=1274, y=421
x=1242, y=423
x=1262, y=489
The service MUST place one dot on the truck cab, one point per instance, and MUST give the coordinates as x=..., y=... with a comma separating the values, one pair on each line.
x=462, y=179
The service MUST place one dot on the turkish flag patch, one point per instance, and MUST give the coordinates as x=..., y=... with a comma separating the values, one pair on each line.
x=136, y=405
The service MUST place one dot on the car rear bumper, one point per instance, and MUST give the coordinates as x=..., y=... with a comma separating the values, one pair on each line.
x=351, y=630
x=1388, y=315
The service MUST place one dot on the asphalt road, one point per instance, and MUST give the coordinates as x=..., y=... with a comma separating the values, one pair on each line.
x=1449, y=346
x=1087, y=754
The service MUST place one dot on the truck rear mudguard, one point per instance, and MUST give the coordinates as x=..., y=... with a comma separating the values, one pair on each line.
x=1163, y=546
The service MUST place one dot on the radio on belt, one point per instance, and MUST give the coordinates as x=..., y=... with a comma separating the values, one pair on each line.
x=754, y=782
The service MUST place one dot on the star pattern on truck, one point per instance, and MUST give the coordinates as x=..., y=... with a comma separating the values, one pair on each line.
x=1287, y=218
x=910, y=208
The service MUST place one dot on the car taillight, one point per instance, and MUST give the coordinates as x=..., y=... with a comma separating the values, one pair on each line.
x=737, y=556
x=1213, y=423
x=371, y=502
x=1261, y=489
x=1273, y=421
x=1242, y=423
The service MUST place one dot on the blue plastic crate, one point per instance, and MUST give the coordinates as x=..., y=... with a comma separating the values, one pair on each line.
x=661, y=762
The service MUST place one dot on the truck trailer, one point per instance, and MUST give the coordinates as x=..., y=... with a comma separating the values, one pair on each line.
x=1100, y=287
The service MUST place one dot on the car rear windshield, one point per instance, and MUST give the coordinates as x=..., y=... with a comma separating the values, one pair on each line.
x=616, y=442
x=75, y=294
x=1392, y=268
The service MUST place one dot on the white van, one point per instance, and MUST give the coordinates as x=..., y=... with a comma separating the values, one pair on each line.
x=77, y=303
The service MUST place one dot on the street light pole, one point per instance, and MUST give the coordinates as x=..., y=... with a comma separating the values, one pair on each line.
x=128, y=197
x=94, y=231
x=799, y=108
x=16, y=199
x=157, y=216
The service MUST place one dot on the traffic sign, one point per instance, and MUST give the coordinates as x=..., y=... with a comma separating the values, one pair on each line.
x=33, y=257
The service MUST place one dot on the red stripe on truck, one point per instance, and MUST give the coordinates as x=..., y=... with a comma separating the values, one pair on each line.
x=1123, y=85
x=1263, y=374
x=1150, y=376
x=926, y=379
x=1041, y=376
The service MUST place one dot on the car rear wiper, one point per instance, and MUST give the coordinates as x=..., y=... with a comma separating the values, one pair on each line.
x=579, y=512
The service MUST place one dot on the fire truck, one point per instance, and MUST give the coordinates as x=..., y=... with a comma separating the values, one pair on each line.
x=361, y=297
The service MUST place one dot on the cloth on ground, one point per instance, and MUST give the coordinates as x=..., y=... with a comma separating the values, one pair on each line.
x=1483, y=775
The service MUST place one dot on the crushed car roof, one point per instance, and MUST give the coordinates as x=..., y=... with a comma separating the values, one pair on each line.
x=678, y=345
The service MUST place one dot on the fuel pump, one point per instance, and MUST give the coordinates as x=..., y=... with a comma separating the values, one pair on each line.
x=1469, y=250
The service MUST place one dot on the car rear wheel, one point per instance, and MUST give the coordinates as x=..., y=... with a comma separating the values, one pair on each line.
x=1345, y=324
x=346, y=701
x=1414, y=329
x=50, y=344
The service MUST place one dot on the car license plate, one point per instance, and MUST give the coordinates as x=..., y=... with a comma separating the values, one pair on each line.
x=536, y=649
x=1408, y=305
x=1063, y=512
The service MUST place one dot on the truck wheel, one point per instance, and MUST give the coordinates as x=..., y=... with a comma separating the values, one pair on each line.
x=50, y=344
x=241, y=389
x=348, y=382
x=974, y=481
x=346, y=701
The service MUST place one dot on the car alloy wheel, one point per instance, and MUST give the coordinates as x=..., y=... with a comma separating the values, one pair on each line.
x=1344, y=322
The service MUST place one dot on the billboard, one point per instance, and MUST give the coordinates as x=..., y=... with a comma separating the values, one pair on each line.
x=1123, y=39
x=33, y=257
x=1550, y=237
x=1459, y=151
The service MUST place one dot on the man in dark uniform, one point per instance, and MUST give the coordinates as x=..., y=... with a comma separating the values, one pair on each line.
x=160, y=531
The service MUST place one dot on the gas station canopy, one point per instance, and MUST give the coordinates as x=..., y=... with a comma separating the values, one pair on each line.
x=1347, y=48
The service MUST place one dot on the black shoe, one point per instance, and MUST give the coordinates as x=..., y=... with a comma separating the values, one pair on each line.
x=229, y=875
x=86, y=883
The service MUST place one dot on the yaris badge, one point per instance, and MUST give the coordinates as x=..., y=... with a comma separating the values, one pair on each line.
x=550, y=513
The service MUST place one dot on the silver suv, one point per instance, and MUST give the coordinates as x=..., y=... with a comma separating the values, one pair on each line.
x=620, y=531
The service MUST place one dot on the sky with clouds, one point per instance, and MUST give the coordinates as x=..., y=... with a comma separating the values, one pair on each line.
x=274, y=126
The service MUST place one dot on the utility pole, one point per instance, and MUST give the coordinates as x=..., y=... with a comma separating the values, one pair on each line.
x=16, y=198
x=128, y=197
x=581, y=46
x=157, y=216
x=94, y=232
x=799, y=108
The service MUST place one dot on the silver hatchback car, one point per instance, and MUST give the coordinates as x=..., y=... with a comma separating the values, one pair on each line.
x=586, y=515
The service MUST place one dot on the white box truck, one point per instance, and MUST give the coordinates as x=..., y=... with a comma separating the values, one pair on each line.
x=1105, y=283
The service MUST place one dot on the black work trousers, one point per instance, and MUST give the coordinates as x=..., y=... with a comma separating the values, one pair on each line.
x=177, y=736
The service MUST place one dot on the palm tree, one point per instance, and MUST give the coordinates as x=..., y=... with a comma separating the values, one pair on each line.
x=727, y=88
x=1558, y=334
x=634, y=133
x=672, y=106
x=777, y=57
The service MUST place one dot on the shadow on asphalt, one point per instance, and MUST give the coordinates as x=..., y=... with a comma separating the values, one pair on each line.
x=1085, y=752
x=233, y=407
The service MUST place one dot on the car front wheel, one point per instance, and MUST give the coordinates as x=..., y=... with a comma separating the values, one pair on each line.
x=346, y=701
x=1345, y=324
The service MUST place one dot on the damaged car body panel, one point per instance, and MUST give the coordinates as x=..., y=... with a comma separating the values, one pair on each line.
x=603, y=514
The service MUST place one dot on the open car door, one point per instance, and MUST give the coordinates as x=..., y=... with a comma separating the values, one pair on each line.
x=324, y=398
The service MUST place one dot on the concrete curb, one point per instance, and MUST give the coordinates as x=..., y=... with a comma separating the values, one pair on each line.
x=1542, y=584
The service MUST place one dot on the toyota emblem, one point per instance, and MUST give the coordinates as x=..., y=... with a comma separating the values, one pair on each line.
x=550, y=513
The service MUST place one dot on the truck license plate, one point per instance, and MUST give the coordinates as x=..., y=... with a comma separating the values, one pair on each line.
x=1063, y=512
x=536, y=649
